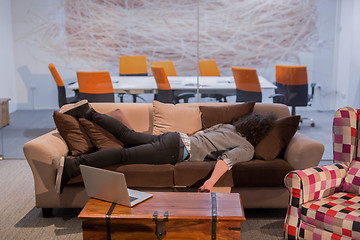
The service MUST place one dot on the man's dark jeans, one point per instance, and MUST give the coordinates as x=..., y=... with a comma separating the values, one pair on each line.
x=140, y=147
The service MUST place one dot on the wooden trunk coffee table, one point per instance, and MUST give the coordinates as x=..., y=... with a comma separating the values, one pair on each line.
x=168, y=215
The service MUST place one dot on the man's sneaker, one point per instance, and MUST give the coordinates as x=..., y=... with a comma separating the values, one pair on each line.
x=59, y=164
x=66, y=169
x=89, y=114
x=76, y=110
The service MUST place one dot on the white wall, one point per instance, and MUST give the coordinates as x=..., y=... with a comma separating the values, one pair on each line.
x=347, y=72
x=7, y=79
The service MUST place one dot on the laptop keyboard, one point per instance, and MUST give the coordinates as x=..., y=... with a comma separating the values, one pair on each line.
x=132, y=198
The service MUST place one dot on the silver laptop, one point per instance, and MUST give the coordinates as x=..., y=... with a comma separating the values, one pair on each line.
x=110, y=186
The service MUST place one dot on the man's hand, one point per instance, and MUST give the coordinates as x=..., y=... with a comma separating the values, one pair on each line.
x=219, y=170
x=207, y=186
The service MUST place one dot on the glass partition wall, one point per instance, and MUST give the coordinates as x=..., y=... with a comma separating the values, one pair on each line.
x=259, y=35
x=91, y=35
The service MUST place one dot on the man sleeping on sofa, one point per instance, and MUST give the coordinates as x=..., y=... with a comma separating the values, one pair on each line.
x=228, y=143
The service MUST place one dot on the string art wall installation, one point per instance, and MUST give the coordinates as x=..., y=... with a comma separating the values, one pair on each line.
x=253, y=33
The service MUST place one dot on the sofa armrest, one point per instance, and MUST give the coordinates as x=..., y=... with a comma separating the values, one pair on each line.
x=303, y=152
x=314, y=183
x=39, y=153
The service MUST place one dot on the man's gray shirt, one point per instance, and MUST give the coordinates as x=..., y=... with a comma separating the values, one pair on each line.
x=221, y=141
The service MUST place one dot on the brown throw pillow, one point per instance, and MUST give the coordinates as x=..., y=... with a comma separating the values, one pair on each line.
x=119, y=115
x=212, y=115
x=101, y=138
x=278, y=138
x=73, y=133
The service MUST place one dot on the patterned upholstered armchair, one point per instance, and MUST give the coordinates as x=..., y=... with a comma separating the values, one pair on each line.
x=325, y=201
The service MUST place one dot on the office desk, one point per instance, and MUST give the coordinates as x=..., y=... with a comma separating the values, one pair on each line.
x=147, y=84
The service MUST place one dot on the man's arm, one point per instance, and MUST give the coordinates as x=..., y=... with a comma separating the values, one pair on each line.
x=219, y=170
x=225, y=162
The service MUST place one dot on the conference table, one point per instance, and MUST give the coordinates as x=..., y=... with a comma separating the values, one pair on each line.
x=147, y=84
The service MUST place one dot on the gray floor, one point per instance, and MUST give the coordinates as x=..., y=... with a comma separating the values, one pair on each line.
x=322, y=132
x=24, y=126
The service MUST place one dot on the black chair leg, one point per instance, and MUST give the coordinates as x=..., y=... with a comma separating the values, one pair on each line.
x=141, y=98
x=121, y=96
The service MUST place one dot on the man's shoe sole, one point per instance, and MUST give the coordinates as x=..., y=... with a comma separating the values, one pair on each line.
x=59, y=174
x=67, y=108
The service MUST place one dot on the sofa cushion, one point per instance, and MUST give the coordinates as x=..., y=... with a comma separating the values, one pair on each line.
x=119, y=115
x=73, y=133
x=194, y=174
x=277, y=138
x=337, y=213
x=254, y=173
x=212, y=115
x=351, y=182
x=175, y=118
x=142, y=175
x=101, y=138
x=260, y=173
x=140, y=115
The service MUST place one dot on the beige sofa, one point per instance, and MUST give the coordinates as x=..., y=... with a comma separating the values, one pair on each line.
x=259, y=182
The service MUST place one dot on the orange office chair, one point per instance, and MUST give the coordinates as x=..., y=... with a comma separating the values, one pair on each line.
x=132, y=65
x=247, y=85
x=209, y=68
x=292, y=88
x=95, y=86
x=165, y=94
x=168, y=66
x=62, y=99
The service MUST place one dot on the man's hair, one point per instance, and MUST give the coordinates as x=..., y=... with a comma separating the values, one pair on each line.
x=254, y=126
